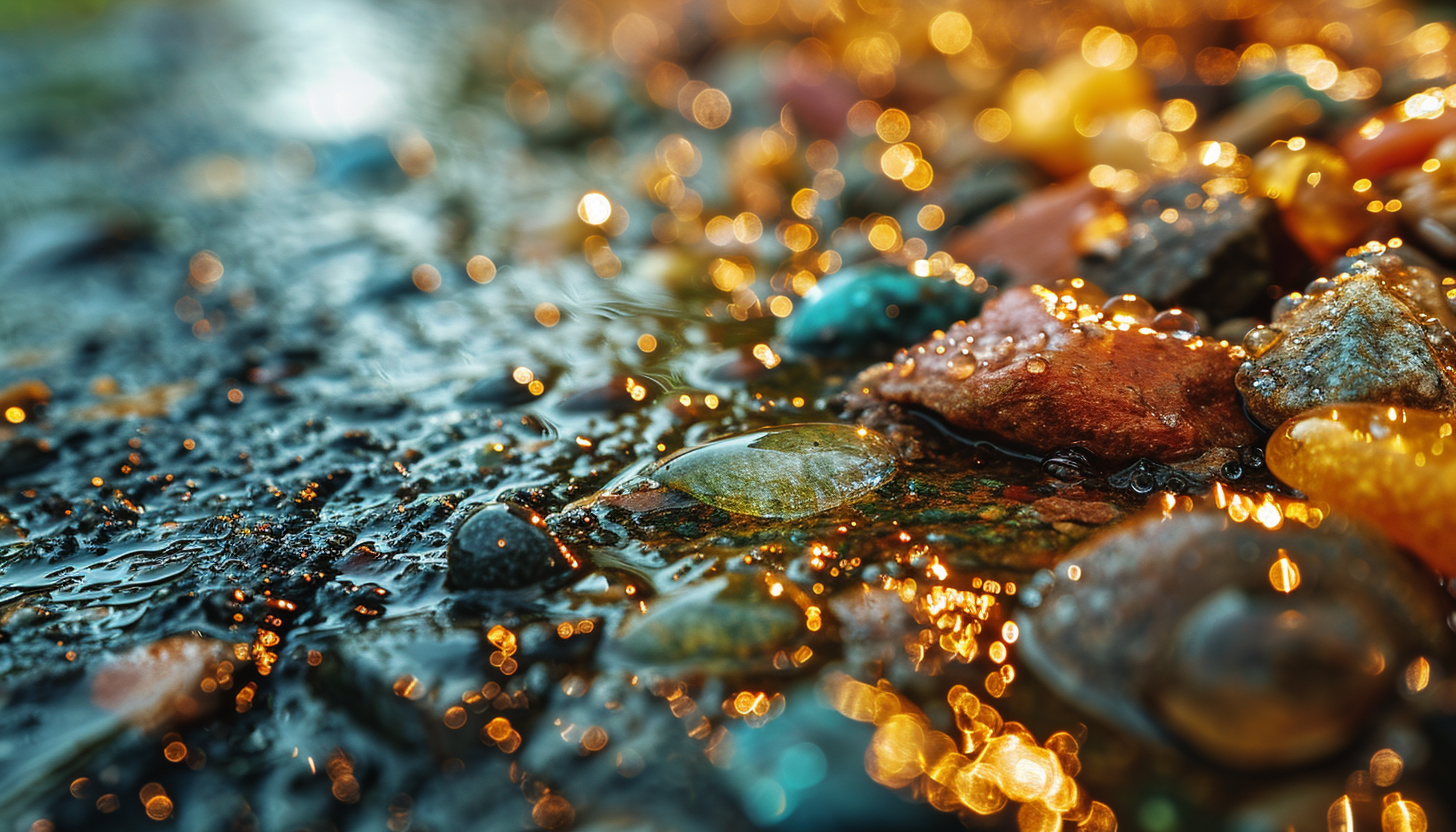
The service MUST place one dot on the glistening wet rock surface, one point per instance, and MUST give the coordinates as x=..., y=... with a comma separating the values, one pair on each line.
x=1378, y=332
x=1046, y=369
x=1257, y=648
x=306, y=309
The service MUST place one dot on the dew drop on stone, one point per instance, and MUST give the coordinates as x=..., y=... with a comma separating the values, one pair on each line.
x=1260, y=339
x=1287, y=304
x=1036, y=365
x=961, y=364
x=1128, y=309
x=1175, y=320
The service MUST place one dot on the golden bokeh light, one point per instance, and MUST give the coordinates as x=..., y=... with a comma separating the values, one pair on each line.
x=594, y=208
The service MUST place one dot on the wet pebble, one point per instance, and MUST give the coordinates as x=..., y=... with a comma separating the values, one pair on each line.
x=159, y=684
x=1258, y=648
x=1378, y=332
x=1318, y=204
x=1051, y=369
x=1197, y=252
x=501, y=546
x=1036, y=238
x=619, y=395
x=1392, y=139
x=509, y=387
x=722, y=624
x=1394, y=467
x=864, y=312
x=785, y=472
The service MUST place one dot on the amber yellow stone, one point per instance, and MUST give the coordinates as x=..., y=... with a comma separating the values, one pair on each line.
x=1314, y=189
x=1056, y=111
x=1393, y=467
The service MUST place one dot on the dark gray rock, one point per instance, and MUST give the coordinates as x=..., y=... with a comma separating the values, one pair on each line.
x=1174, y=629
x=1214, y=260
x=501, y=546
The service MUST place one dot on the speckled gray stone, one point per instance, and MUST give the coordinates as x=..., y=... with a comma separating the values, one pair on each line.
x=1379, y=333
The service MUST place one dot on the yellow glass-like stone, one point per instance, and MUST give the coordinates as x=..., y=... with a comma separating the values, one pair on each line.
x=1394, y=467
x=1056, y=111
x=1314, y=189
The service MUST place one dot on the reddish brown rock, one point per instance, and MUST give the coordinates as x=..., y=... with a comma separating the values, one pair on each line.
x=1039, y=238
x=1401, y=135
x=1049, y=370
x=162, y=683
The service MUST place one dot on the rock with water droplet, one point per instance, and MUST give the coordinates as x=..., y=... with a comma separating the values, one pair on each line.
x=1049, y=369
x=784, y=472
x=1198, y=251
x=1180, y=627
x=1379, y=332
x=502, y=546
x=857, y=313
x=1394, y=467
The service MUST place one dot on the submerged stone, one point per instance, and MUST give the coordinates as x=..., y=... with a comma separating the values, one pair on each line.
x=501, y=546
x=1394, y=467
x=784, y=472
x=1258, y=648
x=1049, y=369
x=720, y=624
x=508, y=387
x=159, y=684
x=1379, y=332
x=862, y=313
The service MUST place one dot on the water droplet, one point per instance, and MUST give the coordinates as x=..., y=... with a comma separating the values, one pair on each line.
x=1260, y=339
x=1036, y=365
x=1287, y=304
x=1175, y=320
x=1128, y=309
x=961, y=364
x=1319, y=286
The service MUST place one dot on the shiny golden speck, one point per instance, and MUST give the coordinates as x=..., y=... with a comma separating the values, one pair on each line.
x=1107, y=48
x=992, y=125
x=480, y=269
x=892, y=126
x=14, y=415
x=594, y=208
x=425, y=277
x=930, y=217
x=1417, y=674
x=1400, y=815
x=950, y=32
x=711, y=108
x=1284, y=575
x=1386, y=767
x=547, y=314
